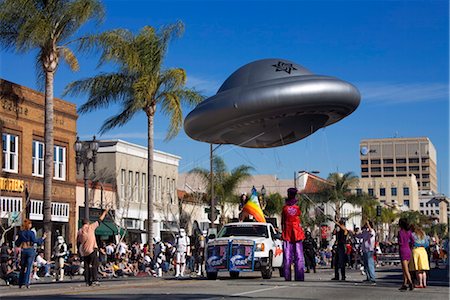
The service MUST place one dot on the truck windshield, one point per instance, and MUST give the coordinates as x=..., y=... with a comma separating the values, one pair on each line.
x=252, y=230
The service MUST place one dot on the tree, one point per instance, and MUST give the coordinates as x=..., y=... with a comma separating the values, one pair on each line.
x=339, y=192
x=139, y=84
x=46, y=26
x=224, y=182
x=274, y=205
x=415, y=217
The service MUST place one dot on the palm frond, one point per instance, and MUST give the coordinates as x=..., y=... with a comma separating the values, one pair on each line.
x=102, y=90
x=69, y=57
x=121, y=119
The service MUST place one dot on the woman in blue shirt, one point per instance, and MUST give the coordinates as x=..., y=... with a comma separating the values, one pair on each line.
x=26, y=240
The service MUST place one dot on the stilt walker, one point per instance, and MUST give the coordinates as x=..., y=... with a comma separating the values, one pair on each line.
x=293, y=236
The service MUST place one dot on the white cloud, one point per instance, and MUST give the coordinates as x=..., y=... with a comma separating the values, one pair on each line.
x=205, y=86
x=401, y=93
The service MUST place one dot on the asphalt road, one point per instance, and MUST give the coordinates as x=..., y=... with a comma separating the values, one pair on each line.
x=248, y=286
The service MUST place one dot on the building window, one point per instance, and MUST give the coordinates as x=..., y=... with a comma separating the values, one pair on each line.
x=370, y=192
x=174, y=191
x=168, y=190
x=388, y=161
x=154, y=189
x=401, y=160
x=388, y=169
x=406, y=202
x=359, y=192
x=37, y=168
x=382, y=192
x=437, y=211
x=364, y=169
x=159, y=194
x=401, y=169
x=10, y=159
x=425, y=159
x=130, y=186
x=406, y=191
x=421, y=204
x=123, y=179
x=394, y=191
x=376, y=169
x=136, y=188
x=425, y=175
x=413, y=160
x=144, y=187
x=425, y=168
x=414, y=168
x=59, y=160
x=375, y=161
x=364, y=162
x=426, y=184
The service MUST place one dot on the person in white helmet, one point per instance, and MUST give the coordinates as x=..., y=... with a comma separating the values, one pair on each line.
x=160, y=256
x=183, y=249
x=60, y=253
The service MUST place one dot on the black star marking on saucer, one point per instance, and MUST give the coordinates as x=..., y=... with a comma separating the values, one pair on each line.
x=281, y=66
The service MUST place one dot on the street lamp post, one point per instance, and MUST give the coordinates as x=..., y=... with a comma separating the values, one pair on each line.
x=86, y=153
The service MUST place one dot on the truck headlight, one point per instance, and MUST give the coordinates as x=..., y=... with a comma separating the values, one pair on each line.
x=259, y=246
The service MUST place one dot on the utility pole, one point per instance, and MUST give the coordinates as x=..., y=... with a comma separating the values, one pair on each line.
x=211, y=174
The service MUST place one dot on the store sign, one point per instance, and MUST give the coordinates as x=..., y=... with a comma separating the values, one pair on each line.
x=12, y=185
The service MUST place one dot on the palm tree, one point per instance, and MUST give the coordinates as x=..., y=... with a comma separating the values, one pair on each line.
x=388, y=216
x=139, y=84
x=225, y=182
x=274, y=205
x=339, y=192
x=48, y=26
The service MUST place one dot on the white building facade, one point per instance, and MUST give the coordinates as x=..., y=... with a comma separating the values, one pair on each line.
x=127, y=164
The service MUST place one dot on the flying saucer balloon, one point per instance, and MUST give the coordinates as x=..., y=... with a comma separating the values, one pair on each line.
x=270, y=103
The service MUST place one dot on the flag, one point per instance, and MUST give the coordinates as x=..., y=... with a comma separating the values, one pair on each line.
x=253, y=208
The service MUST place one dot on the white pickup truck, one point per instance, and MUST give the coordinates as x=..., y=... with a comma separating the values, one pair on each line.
x=244, y=246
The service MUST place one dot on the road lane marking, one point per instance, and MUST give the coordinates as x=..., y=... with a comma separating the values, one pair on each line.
x=258, y=291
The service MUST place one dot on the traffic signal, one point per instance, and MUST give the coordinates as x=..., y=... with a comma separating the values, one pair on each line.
x=378, y=210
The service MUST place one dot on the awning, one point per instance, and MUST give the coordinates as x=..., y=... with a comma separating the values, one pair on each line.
x=106, y=229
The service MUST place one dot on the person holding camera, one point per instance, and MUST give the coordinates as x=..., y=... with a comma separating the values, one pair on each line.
x=368, y=247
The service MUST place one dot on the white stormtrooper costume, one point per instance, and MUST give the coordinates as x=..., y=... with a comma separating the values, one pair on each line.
x=160, y=252
x=183, y=248
x=60, y=253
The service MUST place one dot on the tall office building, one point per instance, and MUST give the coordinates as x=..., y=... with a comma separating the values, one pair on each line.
x=400, y=157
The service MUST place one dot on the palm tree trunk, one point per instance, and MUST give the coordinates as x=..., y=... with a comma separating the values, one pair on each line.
x=337, y=206
x=150, y=181
x=48, y=162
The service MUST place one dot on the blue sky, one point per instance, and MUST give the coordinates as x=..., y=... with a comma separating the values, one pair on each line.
x=395, y=52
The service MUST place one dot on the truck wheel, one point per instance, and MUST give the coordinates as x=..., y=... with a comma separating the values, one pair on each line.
x=267, y=271
x=211, y=275
x=234, y=274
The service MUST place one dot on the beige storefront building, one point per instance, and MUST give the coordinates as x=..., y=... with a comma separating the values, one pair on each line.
x=125, y=164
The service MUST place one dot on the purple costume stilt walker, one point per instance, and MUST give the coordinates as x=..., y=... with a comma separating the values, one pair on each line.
x=293, y=236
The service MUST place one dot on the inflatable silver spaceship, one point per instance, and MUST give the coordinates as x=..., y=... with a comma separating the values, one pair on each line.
x=270, y=103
